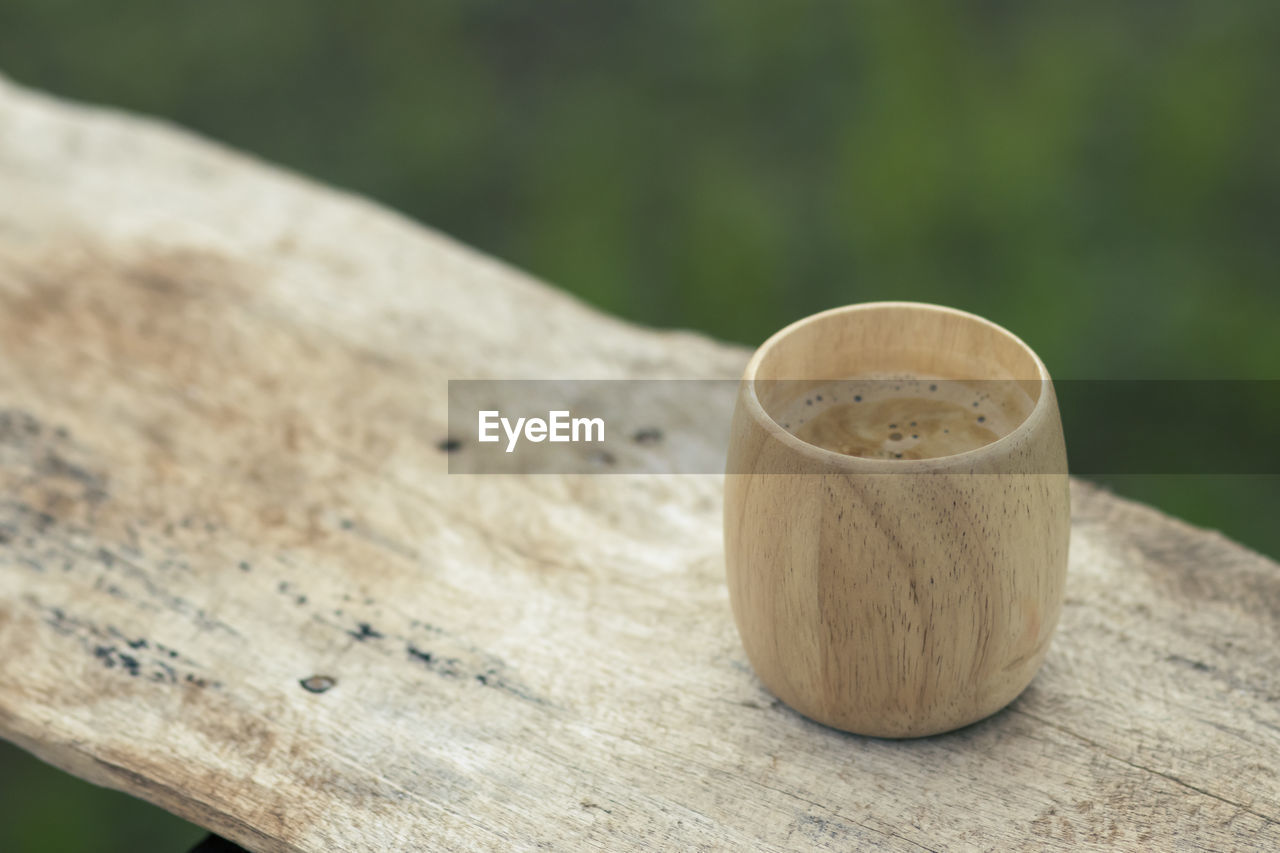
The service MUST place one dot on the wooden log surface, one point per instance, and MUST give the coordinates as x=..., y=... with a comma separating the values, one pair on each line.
x=222, y=394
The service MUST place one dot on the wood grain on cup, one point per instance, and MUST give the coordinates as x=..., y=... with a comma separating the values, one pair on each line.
x=894, y=597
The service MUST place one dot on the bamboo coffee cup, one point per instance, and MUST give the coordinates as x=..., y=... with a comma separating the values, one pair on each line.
x=894, y=597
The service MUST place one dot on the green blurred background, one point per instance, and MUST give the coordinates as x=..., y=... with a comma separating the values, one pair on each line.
x=1101, y=178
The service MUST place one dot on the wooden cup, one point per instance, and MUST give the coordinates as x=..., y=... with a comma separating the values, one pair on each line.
x=894, y=597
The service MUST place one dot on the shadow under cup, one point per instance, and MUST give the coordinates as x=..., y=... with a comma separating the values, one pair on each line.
x=891, y=596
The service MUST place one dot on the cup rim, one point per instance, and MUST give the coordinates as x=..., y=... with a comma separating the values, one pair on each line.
x=888, y=466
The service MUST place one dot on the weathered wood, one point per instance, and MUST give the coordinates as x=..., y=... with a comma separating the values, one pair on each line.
x=223, y=392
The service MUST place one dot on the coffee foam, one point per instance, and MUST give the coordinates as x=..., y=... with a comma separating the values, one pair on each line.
x=887, y=416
